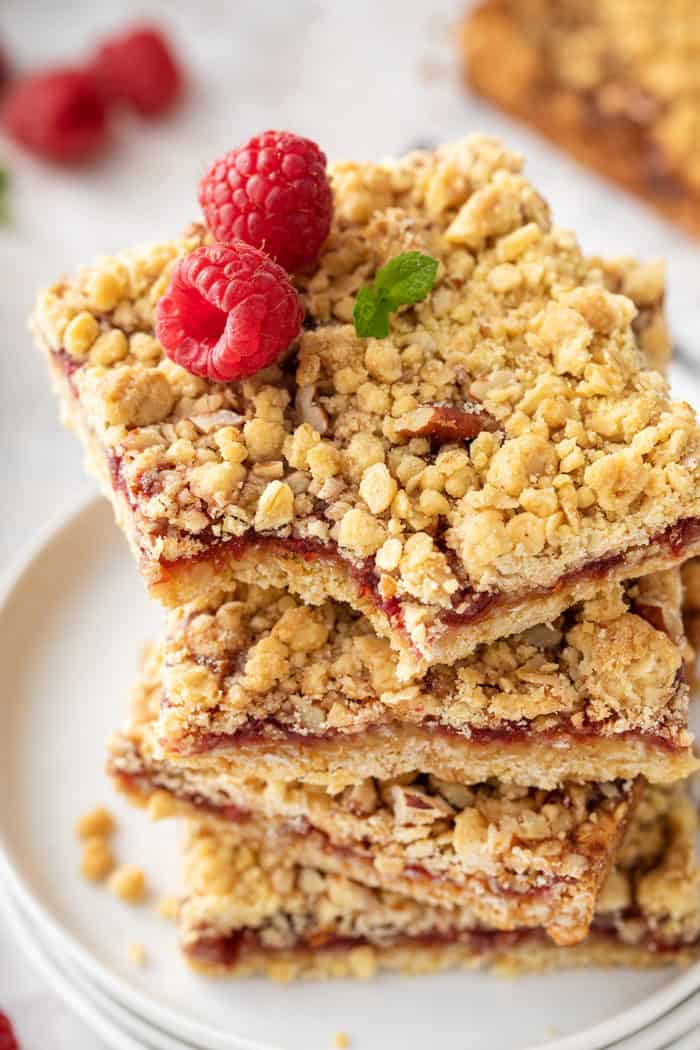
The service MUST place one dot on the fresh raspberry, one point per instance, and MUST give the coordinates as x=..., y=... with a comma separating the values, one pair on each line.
x=140, y=70
x=7, y=1036
x=59, y=114
x=228, y=312
x=272, y=193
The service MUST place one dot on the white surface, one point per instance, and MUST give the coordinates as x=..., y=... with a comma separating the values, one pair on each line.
x=57, y=976
x=60, y=697
x=365, y=78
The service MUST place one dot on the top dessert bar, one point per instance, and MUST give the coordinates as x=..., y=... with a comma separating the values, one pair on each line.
x=614, y=83
x=475, y=473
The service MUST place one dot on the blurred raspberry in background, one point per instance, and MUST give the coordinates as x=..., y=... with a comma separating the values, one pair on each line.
x=62, y=114
x=139, y=70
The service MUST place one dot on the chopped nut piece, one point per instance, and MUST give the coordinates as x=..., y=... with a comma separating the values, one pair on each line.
x=275, y=507
x=442, y=423
x=308, y=410
x=377, y=488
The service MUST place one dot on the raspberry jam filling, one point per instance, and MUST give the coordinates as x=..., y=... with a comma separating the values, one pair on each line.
x=469, y=606
x=228, y=950
x=264, y=734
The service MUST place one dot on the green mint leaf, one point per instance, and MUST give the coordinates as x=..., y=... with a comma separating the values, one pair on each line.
x=371, y=315
x=406, y=279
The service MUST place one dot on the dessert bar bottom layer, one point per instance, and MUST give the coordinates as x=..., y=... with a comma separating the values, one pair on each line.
x=509, y=954
x=254, y=910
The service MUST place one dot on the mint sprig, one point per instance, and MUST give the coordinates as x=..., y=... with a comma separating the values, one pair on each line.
x=406, y=279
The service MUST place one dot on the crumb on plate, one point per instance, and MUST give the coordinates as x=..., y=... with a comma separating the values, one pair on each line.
x=128, y=883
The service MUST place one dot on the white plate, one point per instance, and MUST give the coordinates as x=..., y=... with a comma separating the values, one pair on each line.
x=112, y=1022
x=57, y=977
x=115, y=1024
x=70, y=631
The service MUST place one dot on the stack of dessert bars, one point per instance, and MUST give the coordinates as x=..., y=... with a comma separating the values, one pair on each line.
x=421, y=694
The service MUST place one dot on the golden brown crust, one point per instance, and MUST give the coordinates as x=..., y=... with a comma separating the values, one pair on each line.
x=610, y=82
x=532, y=954
x=589, y=459
x=256, y=910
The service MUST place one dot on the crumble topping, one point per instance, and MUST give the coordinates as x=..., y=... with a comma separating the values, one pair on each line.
x=574, y=448
x=651, y=895
x=633, y=62
x=261, y=655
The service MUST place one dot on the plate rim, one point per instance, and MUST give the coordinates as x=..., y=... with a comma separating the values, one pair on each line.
x=56, y=981
x=39, y=938
x=626, y=1022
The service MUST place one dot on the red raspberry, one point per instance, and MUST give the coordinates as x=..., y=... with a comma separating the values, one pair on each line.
x=60, y=115
x=7, y=1036
x=139, y=69
x=228, y=312
x=273, y=193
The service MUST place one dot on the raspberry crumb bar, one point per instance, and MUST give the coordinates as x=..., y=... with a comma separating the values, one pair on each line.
x=614, y=83
x=260, y=685
x=258, y=911
x=479, y=470
x=514, y=856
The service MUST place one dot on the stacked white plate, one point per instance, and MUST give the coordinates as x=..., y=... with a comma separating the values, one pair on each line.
x=73, y=618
